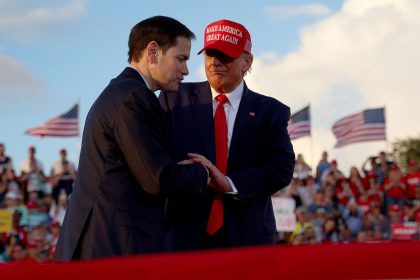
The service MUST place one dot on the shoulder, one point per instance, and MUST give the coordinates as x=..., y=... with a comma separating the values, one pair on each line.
x=269, y=101
x=185, y=91
x=192, y=88
x=269, y=104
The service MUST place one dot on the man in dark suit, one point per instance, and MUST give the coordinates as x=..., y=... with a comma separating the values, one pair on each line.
x=117, y=206
x=249, y=153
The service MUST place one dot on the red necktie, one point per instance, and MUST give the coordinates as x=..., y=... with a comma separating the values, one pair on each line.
x=221, y=141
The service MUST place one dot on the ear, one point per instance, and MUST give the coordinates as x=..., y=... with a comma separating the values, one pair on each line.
x=248, y=59
x=152, y=51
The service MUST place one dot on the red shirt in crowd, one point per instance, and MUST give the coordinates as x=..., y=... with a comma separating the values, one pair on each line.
x=397, y=190
x=412, y=180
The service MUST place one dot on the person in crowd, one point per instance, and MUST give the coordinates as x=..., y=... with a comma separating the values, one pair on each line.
x=344, y=194
x=307, y=192
x=374, y=191
x=298, y=239
x=412, y=179
x=124, y=173
x=364, y=203
x=6, y=162
x=353, y=217
x=384, y=163
x=301, y=223
x=395, y=214
x=35, y=217
x=379, y=221
x=241, y=132
x=322, y=166
x=61, y=164
x=58, y=209
x=293, y=191
x=395, y=187
x=374, y=168
x=344, y=233
x=318, y=212
x=330, y=176
x=329, y=231
x=320, y=201
x=309, y=235
x=302, y=169
x=10, y=181
x=19, y=232
x=408, y=211
x=32, y=176
x=356, y=182
x=55, y=228
x=3, y=189
x=16, y=252
x=63, y=175
x=14, y=201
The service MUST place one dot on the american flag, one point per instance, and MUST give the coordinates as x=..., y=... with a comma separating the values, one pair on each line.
x=300, y=124
x=65, y=125
x=368, y=125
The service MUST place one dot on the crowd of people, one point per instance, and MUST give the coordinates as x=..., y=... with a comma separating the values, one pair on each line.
x=368, y=205
x=330, y=207
x=37, y=203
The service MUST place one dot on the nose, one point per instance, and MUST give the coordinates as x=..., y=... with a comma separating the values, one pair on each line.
x=215, y=61
x=184, y=69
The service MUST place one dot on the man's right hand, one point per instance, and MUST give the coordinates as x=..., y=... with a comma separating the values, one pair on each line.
x=219, y=181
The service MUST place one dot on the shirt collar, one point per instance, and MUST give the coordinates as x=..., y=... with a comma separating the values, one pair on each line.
x=234, y=96
x=145, y=81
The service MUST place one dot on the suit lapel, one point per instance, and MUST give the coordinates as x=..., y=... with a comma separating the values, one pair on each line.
x=202, y=107
x=242, y=126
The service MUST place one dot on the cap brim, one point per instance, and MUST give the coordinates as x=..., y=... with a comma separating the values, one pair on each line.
x=217, y=47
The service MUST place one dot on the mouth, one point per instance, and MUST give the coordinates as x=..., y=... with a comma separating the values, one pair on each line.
x=217, y=72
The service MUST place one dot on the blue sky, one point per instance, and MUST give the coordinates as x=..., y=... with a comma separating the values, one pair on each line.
x=336, y=55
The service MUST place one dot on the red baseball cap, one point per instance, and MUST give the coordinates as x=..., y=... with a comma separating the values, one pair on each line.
x=55, y=223
x=31, y=204
x=394, y=167
x=395, y=208
x=412, y=162
x=228, y=37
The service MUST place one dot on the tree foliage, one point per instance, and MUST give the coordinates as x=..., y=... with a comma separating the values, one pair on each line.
x=404, y=150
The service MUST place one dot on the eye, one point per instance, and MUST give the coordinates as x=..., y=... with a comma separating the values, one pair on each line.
x=181, y=59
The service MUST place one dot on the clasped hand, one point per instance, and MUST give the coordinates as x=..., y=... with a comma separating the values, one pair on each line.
x=218, y=181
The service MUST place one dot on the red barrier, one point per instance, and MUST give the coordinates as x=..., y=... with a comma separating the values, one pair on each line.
x=343, y=261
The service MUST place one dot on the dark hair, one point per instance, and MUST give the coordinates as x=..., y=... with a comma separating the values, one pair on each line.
x=163, y=30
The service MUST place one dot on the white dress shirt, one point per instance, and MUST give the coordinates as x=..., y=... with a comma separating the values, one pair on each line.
x=145, y=81
x=231, y=110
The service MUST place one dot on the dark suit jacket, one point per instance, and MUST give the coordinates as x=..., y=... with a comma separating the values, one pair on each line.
x=117, y=205
x=260, y=162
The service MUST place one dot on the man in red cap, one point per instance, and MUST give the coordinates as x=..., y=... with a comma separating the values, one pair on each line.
x=412, y=179
x=243, y=138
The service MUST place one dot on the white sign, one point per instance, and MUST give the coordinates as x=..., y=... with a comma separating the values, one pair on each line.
x=284, y=213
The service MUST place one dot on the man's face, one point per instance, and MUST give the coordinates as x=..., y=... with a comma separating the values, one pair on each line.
x=172, y=65
x=18, y=253
x=225, y=73
x=63, y=154
x=31, y=151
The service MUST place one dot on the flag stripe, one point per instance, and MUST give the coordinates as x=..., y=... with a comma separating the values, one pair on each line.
x=300, y=124
x=65, y=125
x=368, y=125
